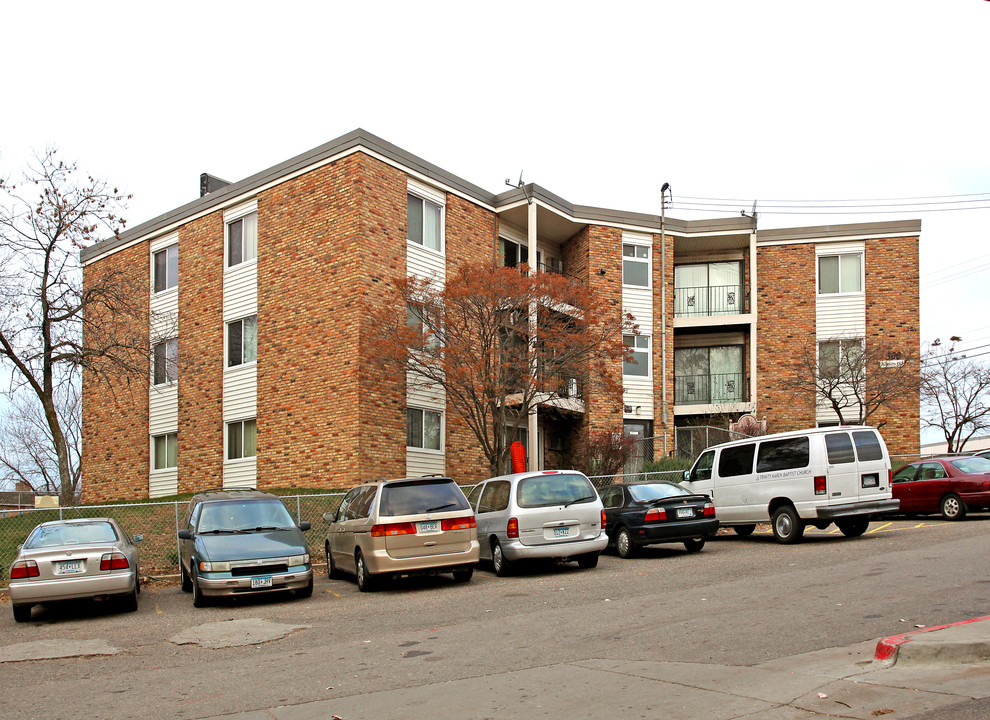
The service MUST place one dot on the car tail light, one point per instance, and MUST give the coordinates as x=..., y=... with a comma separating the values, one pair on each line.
x=512, y=528
x=654, y=514
x=113, y=561
x=603, y=518
x=461, y=523
x=709, y=510
x=402, y=528
x=24, y=569
x=820, y=485
x=890, y=476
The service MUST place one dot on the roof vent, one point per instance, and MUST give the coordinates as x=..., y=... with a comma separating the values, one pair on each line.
x=208, y=183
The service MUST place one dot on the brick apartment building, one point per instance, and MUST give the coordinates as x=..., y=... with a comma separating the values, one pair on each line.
x=278, y=385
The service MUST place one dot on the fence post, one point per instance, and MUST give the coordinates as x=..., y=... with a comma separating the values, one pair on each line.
x=178, y=550
x=298, y=510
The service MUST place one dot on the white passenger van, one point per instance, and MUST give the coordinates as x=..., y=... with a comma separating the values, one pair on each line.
x=806, y=477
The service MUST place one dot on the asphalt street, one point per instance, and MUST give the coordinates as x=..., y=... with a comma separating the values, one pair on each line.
x=741, y=602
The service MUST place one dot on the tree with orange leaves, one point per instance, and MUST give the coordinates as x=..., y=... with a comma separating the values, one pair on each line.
x=500, y=341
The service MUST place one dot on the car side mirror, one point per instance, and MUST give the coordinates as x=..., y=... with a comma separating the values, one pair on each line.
x=330, y=517
x=687, y=476
x=185, y=535
x=304, y=525
x=137, y=538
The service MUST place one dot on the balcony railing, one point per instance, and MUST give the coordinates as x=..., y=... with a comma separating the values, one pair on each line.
x=710, y=389
x=710, y=300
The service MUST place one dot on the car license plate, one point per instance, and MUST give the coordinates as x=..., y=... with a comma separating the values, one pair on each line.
x=260, y=582
x=67, y=567
x=561, y=532
x=685, y=512
x=871, y=480
x=429, y=526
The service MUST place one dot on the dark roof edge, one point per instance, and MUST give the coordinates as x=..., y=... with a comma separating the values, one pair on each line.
x=889, y=228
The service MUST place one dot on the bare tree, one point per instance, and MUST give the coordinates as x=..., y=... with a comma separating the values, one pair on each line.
x=27, y=451
x=955, y=393
x=500, y=341
x=46, y=311
x=853, y=378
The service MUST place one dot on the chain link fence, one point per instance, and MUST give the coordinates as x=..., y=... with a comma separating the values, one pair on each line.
x=157, y=521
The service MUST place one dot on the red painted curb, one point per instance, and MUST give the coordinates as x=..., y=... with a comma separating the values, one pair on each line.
x=888, y=647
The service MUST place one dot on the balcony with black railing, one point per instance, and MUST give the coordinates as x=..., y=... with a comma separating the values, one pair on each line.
x=710, y=389
x=710, y=300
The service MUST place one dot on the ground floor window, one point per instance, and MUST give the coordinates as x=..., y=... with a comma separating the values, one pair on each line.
x=423, y=428
x=242, y=439
x=165, y=451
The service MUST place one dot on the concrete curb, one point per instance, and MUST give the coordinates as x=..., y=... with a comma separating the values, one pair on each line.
x=888, y=649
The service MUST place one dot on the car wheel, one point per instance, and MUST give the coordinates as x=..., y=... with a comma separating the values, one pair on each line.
x=587, y=561
x=199, y=600
x=624, y=545
x=744, y=530
x=365, y=582
x=307, y=591
x=788, y=527
x=694, y=545
x=952, y=507
x=22, y=613
x=184, y=577
x=332, y=571
x=129, y=602
x=854, y=527
x=499, y=562
x=463, y=575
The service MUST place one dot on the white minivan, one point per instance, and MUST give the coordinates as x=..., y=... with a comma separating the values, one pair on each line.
x=805, y=477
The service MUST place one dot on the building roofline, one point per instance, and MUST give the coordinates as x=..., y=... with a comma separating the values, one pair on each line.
x=890, y=228
x=362, y=139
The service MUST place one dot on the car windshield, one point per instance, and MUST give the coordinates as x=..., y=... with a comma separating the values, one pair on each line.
x=243, y=515
x=973, y=465
x=71, y=534
x=555, y=489
x=655, y=491
x=419, y=497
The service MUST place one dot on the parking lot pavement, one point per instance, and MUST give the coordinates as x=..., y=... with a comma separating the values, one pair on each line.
x=897, y=524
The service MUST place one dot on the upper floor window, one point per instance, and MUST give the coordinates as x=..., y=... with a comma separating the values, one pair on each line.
x=423, y=428
x=636, y=265
x=167, y=361
x=242, y=341
x=242, y=239
x=165, y=449
x=424, y=223
x=840, y=273
x=637, y=363
x=166, y=268
x=242, y=439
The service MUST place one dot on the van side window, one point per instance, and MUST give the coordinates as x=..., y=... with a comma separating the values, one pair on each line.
x=840, y=449
x=867, y=445
x=783, y=454
x=736, y=460
x=703, y=468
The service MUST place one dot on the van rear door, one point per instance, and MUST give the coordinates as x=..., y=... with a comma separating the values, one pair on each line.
x=874, y=465
x=842, y=477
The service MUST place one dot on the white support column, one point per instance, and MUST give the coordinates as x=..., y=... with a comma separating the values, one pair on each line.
x=533, y=441
x=752, y=313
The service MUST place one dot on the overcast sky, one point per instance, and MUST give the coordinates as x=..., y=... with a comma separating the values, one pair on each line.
x=598, y=102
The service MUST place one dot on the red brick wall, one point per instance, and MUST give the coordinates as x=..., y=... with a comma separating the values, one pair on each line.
x=892, y=320
x=201, y=352
x=785, y=299
x=115, y=441
x=659, y=379
x=605, y=252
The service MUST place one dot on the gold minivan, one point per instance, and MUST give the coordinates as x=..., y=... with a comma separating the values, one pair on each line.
x=402, y=527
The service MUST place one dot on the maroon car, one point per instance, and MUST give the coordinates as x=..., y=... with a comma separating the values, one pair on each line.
x=951, y=486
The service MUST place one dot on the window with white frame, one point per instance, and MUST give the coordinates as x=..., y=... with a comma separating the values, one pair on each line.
x=637, y=362
x=417, y=320
x=424, y=428
x=424, y=223
x=242, y=239
x=166, y=268
x=242, y=341
x=840, y=359
x=840, y=273
x=165, y=451
x=636, y=265
x=242, y=439
x=167, y=362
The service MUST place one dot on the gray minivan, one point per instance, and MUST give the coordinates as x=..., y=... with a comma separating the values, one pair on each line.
x=816, y=476
x=553, y=514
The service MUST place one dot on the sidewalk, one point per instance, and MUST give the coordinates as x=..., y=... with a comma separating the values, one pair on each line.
x=899, y=677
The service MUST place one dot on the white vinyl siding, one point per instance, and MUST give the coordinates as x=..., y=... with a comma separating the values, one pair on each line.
x=240, y=391
x=637, y=391
x=839, y=315
x=163, y=400
x=240, y=291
